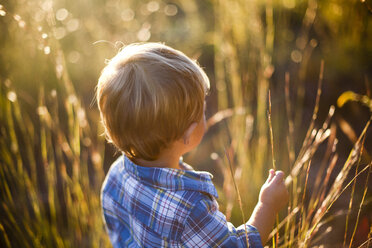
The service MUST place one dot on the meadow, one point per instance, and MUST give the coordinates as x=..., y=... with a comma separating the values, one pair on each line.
x=290, y=89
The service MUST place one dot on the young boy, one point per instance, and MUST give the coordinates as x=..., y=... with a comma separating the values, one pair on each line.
x=151, y=100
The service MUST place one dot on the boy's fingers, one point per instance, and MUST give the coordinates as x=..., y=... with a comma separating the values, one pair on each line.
x=279, y=176
x=271, y=175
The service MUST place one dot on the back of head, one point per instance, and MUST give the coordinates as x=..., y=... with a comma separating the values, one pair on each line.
x=148, y=95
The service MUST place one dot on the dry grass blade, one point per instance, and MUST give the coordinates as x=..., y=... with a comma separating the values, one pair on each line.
x=315, y=111
x=223, y=114
x=290, y=141
x=276, y=240
x=350, y=133
x=330, y=168
x=303, y=196
x=322, y=213
x=365, y=244
x=5, y=236
x=313, y=142
x=325, y=163
x=284, y=221
x=352, y=194
x=271, y=133
x=336, y=189
x=238, y=195
x=361, y=204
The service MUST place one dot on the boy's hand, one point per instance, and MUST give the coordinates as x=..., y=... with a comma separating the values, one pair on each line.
x=273, y=196
x=273, y=193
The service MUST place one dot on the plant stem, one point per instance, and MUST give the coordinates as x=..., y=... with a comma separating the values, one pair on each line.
x=238, y=194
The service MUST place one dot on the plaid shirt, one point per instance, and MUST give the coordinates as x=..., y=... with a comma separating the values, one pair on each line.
x=162, y=207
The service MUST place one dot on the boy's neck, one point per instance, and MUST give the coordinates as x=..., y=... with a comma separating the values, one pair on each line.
x=170, y=156
x=165, y=160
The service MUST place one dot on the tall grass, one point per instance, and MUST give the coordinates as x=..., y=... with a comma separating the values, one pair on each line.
x=302, y=224
x=244, y=64
x=51, y=151
x=51, y=171
x=50, y=176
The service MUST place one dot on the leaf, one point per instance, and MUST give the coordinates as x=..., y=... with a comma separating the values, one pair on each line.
x=351, y=96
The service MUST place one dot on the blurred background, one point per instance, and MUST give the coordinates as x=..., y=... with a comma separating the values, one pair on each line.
x=300, y=70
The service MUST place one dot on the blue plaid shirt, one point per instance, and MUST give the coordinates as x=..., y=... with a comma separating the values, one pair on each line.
x=162, y=207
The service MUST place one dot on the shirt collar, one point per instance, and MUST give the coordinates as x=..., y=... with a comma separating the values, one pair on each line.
x=172, y=179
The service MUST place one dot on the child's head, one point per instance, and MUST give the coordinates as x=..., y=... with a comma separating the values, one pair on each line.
x=148, y=95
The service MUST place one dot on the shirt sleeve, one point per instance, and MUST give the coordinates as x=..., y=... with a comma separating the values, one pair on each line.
x=206, y=226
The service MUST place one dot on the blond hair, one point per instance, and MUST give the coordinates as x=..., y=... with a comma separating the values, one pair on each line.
x=148, y=95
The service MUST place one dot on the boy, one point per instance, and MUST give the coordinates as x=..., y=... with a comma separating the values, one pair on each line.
x=151, y=100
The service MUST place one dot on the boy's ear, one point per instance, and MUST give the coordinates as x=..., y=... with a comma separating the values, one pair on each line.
x=188, y=132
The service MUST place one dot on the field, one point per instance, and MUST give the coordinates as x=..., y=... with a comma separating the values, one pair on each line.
x=290, y=89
